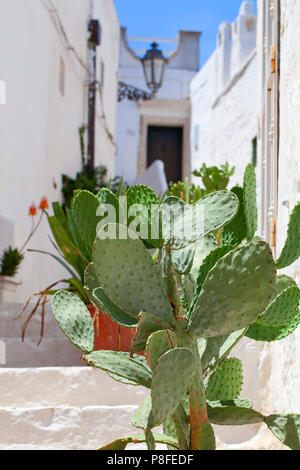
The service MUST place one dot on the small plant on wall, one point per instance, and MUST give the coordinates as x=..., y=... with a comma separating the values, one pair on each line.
x=213, y=179
x=12, y=258
x=191, y=302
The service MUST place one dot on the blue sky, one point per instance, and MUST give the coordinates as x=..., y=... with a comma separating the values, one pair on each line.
x=163, y=18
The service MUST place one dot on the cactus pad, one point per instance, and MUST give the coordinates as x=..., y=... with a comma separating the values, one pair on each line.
x=237, y=289
x=236, y=231
x=142, y=195
x=172, y=378
x=226, y=382
x=113, y=310
x=231, y=414
x=216, y=349
x=158, y=344
x=74, y=320
x=217, y=209
x=121, y=364
x=249, y=197
x=291, y=249
x=282, y=309
x=129, y=277
x=182, y=260
x=202, y=249
x=106, y=196
x=84, y=210
x=286, y=428
x=101, y=300
x=148, y=324
x=206, y=266
x=142, y=418
x=283, y=282
x=268, y=334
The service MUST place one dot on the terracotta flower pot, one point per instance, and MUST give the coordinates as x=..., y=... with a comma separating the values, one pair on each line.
x=108, y=335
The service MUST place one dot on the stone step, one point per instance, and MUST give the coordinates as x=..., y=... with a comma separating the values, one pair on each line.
x=11, y=328
x=52, y=352
x=55, y=350
x=88, y=428
x=64, y=428
x=64, y=386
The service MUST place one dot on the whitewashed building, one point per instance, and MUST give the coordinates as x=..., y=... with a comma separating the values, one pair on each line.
x=157, y=129
x=44, y=56
x=223, y=98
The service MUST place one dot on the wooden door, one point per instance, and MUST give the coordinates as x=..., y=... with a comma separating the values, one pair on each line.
x=165, y=143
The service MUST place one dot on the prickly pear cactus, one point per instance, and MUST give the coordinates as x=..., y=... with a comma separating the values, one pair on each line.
x=191, y=301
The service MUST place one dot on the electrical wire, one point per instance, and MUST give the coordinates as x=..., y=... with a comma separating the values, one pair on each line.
x=53, y=11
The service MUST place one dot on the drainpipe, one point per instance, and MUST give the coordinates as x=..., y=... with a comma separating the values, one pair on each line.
x=94, y=41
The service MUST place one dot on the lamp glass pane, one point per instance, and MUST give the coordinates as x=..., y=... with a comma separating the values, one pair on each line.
x=148, y=71
x=158, y=70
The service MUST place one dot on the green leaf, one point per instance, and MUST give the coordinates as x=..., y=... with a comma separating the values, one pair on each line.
x=291, y=249
x=286, y=428
x=226, y=382
x=76, y=236
x=74, y=320
x=70, y=251
x=169, y=386
x=237, y=289
x=84, y=209
x=120, y=364
x=60, y=216
x=269, y=334
x=59, y=260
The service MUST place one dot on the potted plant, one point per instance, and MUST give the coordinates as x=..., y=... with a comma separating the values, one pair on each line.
x=189, y=319
x=73, y=245
x=12, y=258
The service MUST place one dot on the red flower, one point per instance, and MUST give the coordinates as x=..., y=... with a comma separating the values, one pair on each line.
x=44, y=204
x=32, y=210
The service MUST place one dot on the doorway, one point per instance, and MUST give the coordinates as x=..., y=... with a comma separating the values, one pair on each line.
x=166, y=144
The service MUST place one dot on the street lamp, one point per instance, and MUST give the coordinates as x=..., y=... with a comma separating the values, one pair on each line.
x=154, y=66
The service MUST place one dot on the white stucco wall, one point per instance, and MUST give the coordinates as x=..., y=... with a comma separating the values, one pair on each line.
x=38, y=126
x=284, y=382
x=223, y=99
x=178, y=75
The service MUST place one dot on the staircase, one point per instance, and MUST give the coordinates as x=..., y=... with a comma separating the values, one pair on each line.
x=49, y=399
